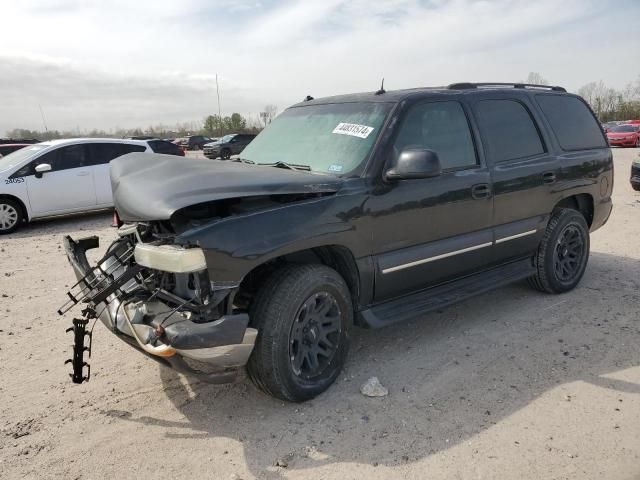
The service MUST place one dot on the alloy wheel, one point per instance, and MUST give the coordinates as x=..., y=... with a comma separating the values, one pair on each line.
x=315, y=335
x=8, y=216
x=569, y=253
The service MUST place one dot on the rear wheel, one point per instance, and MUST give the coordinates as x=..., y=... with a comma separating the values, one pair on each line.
x=563, y=252
x=303, y=314
x=10, y=215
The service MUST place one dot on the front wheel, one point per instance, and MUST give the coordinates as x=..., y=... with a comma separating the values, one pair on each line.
x=10, y=215
x=563, y=253
x=304, y=315
x=226, y=154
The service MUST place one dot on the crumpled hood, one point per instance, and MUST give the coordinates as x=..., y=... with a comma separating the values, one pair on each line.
x=154, y=186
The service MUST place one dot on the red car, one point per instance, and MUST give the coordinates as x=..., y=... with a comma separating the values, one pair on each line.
x=7, y=148
x=627, y=135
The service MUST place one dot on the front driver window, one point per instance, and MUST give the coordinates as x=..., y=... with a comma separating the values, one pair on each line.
x=441, y=127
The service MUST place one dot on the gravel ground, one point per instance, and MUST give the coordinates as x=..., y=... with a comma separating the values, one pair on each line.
x=513, y=384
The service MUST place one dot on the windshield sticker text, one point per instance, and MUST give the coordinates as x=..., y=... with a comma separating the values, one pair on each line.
x=353, y=129
x=335, y=168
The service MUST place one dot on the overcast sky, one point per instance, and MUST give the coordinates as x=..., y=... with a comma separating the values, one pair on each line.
x=126, y=63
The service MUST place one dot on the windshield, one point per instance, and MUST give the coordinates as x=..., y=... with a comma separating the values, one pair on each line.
x=17, y=157
x=624, y=128
x=333, y=138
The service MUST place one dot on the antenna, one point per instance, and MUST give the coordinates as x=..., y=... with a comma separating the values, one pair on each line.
x=382, y=90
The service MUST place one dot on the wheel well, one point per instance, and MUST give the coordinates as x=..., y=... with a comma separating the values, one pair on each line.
x=582, y=202
x=20, y=203
x=335, y=256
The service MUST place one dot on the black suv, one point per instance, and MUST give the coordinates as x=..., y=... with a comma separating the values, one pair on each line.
x=635, y=174
x=228, y=145
x=364, y=209
x=192, y=142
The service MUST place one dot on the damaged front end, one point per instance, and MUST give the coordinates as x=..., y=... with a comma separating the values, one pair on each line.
x=157, y=296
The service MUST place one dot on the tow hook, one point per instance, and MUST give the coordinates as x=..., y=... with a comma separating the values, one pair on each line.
x=79, y=330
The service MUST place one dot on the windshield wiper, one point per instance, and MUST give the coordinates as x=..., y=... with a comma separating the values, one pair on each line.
x=245, y=160
x=290, y=166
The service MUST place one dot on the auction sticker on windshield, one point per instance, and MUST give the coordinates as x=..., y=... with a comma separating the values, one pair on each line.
x=353, y=129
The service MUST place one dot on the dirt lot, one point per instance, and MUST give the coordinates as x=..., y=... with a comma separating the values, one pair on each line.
x=514, y=384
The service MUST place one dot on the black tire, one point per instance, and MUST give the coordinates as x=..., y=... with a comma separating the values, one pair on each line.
x=11, y=216
x=563, y=253
x=225, y=154
x=638, y=142
x=636, y=187
x=285, y=305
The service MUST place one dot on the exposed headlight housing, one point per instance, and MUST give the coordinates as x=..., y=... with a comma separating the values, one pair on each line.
x=170, y=258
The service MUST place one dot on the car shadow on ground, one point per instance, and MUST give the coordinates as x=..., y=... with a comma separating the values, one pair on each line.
x=451, y=375
x=63, y=224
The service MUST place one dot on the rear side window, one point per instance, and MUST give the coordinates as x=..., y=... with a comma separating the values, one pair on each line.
x=168, y=148
x=508, y=130
x=102, y=153
x=572, y=122
x=441, y=127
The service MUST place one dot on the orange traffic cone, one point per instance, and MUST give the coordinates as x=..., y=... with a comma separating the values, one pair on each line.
x=115, y=221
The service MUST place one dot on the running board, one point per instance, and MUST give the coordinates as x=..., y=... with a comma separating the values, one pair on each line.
x=416, y=304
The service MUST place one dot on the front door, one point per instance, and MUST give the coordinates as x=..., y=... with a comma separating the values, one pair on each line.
x=429, y=231
x=67, y=187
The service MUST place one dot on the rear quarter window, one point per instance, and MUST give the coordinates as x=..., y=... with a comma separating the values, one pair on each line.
x=573, y=124
x=508, y=130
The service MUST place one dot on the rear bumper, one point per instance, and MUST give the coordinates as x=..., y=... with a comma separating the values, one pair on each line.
x=213, y=351
x=601, y=213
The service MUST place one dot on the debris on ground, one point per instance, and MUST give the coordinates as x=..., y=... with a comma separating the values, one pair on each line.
x=373, y=388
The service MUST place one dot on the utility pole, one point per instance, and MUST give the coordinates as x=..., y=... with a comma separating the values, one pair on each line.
x=46, y=130
x=219, y=109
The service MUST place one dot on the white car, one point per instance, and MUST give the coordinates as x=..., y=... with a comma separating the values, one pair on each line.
x=59, y=177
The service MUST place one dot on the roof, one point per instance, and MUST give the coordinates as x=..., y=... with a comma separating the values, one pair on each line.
x=395, y=96
x=68, y=141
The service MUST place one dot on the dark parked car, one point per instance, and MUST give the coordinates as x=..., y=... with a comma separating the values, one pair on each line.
x=29, y=141
x=168, y=148
x=6, y=149
x=364, y=209
x=228, y=145
x=635, y=174
x=193, y=142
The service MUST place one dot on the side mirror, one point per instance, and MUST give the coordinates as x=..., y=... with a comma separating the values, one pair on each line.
x=414, y=163
x=40, y=169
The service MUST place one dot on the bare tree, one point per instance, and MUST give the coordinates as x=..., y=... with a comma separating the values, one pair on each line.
x=536, y=79
x=268, y=114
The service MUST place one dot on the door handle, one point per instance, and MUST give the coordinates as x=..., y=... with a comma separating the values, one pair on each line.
x=549, y=177
x=481, y=190
x=82, y=174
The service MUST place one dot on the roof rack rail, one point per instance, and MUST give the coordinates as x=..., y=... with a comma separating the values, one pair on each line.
x=468, y=85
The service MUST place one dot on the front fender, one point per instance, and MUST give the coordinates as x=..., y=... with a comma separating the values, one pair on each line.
x=236, y=245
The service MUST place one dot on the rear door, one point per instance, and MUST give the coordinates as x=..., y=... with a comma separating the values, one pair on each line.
x=429, y=231
x=524, y=171
x=100, y=156
x=67, y=187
